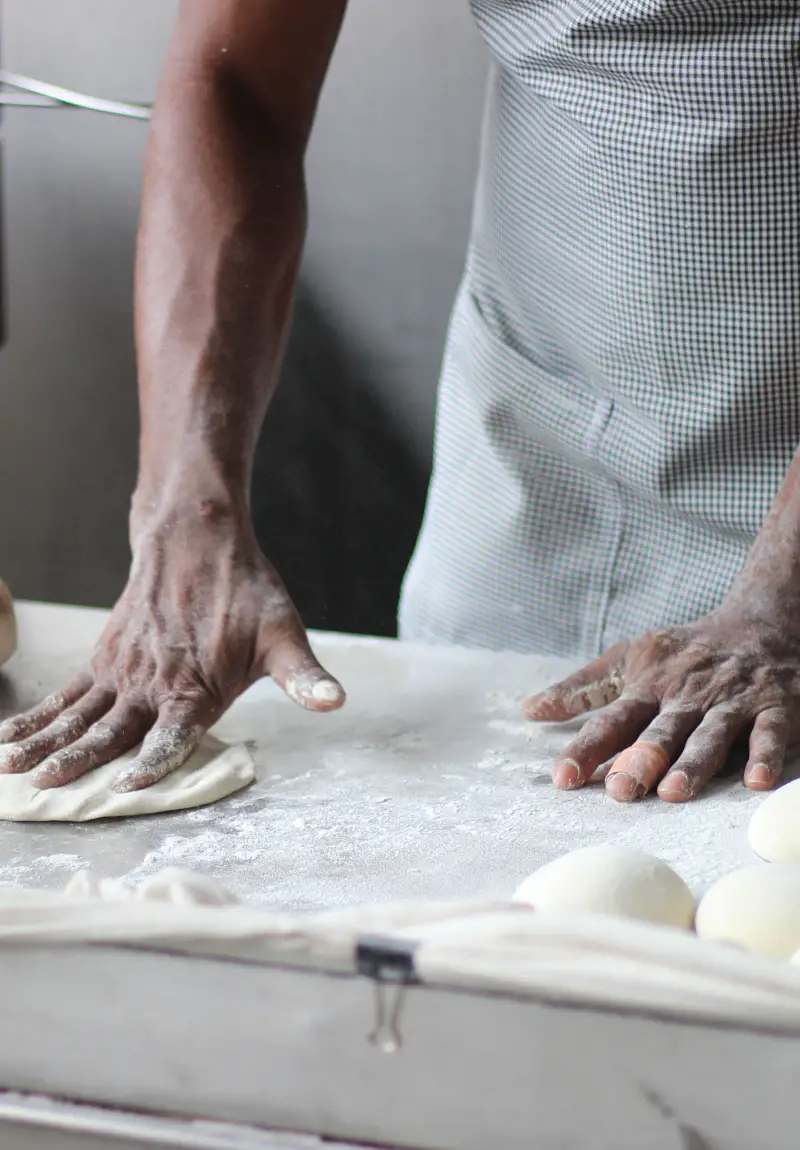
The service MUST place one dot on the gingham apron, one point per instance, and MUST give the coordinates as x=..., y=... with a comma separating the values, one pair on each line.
x=620, y=395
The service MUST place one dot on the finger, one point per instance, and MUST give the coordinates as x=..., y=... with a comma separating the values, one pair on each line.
x=22, y=726
x=292, y=665
x=595, y=685
x=702, y=757
x=601, y=737
x=769, y=741
x=69, y=726
x=178, y=730
x=639, y=768
x=121, y=729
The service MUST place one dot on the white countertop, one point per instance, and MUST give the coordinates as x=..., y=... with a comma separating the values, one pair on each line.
x=428, y=784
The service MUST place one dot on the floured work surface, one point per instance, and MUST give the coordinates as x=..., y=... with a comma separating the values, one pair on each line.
x=519, y=1030
x=427, y=785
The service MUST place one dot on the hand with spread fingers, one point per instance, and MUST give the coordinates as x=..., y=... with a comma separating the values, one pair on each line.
x=673, y=703
x=203, y=616
x=222, y=226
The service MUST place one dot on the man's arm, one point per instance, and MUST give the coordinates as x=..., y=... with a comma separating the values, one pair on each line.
x=223, y=224
x=223, y=221
x=676, y=700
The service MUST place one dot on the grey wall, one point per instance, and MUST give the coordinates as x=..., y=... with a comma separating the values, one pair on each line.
x=391, y=169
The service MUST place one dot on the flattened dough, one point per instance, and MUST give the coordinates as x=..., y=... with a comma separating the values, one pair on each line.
x=213, y=772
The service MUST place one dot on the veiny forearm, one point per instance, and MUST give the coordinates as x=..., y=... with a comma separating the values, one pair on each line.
x=770, y=579
x=223, y=221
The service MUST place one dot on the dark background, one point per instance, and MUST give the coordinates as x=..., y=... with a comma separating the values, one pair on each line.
x=345, y=455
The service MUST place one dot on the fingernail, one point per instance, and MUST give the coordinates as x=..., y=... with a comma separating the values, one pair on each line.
x=531, y=707
x=759, y=775
x=624, y=787
x=326, y=691
x=125, y=783
x=42, y=779
x=307, y=688
x=567, y=775
x=10, y=762
x=675, y=787
x=547, y=708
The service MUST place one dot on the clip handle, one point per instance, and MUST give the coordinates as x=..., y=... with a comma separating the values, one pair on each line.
x=389, y=964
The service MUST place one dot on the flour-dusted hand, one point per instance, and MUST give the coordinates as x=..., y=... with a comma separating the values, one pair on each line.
x=203, y=616
x=676, y=700
x=222, y=227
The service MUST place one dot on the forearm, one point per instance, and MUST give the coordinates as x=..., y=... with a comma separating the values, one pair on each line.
x=223, y=220
x=770, y=578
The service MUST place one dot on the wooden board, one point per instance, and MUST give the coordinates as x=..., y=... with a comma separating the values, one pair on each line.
x=288, y=1050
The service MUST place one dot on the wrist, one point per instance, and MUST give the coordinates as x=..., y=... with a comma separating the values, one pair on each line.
x=767, y=590
x=193, y=506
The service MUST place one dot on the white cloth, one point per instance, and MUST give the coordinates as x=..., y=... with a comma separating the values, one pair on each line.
x=587, y=959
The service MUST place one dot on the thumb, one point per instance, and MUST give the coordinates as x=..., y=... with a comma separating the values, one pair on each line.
x=595, y=685
x=292, y=665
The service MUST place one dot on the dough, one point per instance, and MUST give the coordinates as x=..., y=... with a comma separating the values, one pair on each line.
x=611, y=880
x=8, y=625
x=757, y=908
x=774, y=831
x=213, y=772
x=174, y=885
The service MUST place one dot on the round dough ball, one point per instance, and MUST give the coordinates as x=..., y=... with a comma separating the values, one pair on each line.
x=613, y=880
x=757, y=908
x=8, y=625
x=774, y=831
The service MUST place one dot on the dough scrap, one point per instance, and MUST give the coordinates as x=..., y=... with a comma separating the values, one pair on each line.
x=213, y=772
x=174, y=885
x=757, y=907
x=774, y=830
x=612, y=880
x=8, y=625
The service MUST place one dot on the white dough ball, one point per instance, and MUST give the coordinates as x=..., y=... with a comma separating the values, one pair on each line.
x=757, y=908
x=613, y=880
x=774, y=831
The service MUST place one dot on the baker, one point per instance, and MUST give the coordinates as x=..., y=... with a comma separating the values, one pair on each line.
x=619, y=407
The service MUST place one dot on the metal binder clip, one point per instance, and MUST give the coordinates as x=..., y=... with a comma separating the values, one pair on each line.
x=390, y=966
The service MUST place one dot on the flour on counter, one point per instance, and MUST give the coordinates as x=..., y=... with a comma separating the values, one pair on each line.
x=427, y=785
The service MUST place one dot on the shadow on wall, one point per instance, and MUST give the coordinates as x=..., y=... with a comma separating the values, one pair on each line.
x=338, y=496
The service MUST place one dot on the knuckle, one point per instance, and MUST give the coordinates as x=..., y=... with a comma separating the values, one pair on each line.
x=776, y=722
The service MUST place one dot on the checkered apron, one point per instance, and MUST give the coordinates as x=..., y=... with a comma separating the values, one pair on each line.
x=620, y=395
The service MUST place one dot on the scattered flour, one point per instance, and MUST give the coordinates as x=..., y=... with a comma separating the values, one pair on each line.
x=424, y=786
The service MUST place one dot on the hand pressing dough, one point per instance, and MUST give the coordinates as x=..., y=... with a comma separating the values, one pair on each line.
x=757, y=908
x=613, y=880
x=774, y=831
x=8, y=625
x=213, y=772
